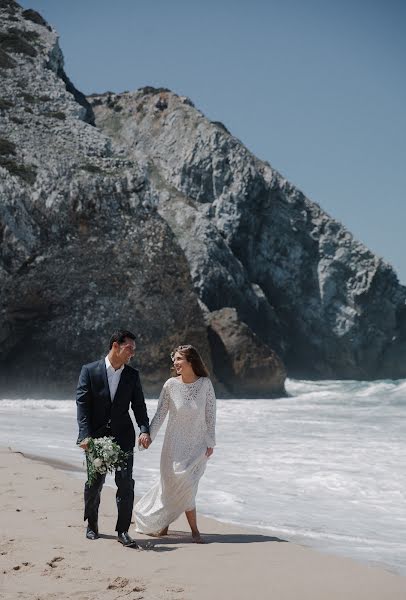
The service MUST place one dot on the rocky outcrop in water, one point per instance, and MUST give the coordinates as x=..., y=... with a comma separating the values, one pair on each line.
x=250, y=367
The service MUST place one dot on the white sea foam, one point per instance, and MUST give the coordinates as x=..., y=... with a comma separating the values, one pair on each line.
x=324, y=466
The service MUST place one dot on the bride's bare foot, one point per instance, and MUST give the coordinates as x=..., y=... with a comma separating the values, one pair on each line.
x=197, y=539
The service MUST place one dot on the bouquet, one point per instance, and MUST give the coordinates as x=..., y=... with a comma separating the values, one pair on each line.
x=103, y=455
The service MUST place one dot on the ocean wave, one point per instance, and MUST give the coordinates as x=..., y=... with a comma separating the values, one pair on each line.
x=323, y=465
x=30, y=404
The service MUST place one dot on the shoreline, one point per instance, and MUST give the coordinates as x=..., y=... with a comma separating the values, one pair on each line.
x=297, y=539
x=44, y=553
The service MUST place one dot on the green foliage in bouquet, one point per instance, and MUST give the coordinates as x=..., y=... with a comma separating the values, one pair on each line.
x=103, y=455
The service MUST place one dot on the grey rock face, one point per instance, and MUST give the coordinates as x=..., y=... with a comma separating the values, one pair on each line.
x=82, y=250
x=241, y=358
x=254, y=242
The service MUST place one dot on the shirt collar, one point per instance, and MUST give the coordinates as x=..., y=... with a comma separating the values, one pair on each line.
x=109, y=366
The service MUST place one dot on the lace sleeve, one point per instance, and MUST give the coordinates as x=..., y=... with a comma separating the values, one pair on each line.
x=161, y=412
x=210, y=415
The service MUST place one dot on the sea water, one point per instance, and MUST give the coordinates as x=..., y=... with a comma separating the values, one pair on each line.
x=325, y=466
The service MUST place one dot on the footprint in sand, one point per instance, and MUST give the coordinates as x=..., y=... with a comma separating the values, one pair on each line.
x=24, y=564
x=118, y=583
x=53, y=563
x=137, y=589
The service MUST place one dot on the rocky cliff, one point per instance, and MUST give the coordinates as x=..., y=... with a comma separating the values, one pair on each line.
x=82, y=249
x=296, y=277
x=134, y=209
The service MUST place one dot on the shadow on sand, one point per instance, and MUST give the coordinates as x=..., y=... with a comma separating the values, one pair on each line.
x=182, y=537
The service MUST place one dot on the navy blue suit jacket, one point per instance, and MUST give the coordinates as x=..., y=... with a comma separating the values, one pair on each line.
x=98, y=415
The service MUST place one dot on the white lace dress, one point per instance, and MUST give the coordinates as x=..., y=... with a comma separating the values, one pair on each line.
x=190, y=431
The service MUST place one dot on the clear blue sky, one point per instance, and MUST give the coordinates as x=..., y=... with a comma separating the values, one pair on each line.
x=317, y=88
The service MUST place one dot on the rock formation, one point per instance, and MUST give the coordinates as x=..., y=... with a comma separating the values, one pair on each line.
x=254, y=242
x=134, y=209
x=250, y=367
x=82, y=250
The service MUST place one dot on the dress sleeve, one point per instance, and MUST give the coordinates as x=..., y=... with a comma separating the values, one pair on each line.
x=161, y=412
x=210, y=416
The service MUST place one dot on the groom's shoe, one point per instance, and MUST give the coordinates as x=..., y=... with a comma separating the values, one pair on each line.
x=92, y=533
x=126, y=540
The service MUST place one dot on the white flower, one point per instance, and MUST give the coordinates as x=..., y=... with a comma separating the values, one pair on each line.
x=105, y=456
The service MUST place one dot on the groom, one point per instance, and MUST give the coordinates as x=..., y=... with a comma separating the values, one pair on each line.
x=106, y=388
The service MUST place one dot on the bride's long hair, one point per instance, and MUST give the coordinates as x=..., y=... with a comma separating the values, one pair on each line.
x=193, y=357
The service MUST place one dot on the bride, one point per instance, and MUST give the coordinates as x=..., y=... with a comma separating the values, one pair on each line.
x=189, y=441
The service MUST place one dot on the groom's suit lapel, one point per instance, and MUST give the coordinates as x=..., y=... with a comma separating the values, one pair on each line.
x=103, y=375
x=121, y=384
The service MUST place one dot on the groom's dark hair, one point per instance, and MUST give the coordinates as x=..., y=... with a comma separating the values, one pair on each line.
x=119, y=336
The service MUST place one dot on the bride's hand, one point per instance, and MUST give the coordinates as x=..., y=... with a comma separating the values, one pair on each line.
x=209, y=452
x=144, y=440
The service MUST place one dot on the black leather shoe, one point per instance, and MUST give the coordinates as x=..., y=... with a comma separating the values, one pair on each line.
x=91, y=534
x=126, y=540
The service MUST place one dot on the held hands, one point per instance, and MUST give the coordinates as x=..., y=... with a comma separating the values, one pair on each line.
x=209, y=452
x=144, y=440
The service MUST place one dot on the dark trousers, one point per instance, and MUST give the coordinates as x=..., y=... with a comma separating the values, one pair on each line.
x=124, y=497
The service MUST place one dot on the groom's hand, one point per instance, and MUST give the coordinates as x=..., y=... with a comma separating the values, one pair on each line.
x=84, y=444
x=144, y=440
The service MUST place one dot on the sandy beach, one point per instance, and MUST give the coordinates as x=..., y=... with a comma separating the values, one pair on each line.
x=44, y=553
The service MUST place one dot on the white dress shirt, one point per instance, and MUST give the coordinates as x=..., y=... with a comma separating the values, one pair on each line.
x=113, y=377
